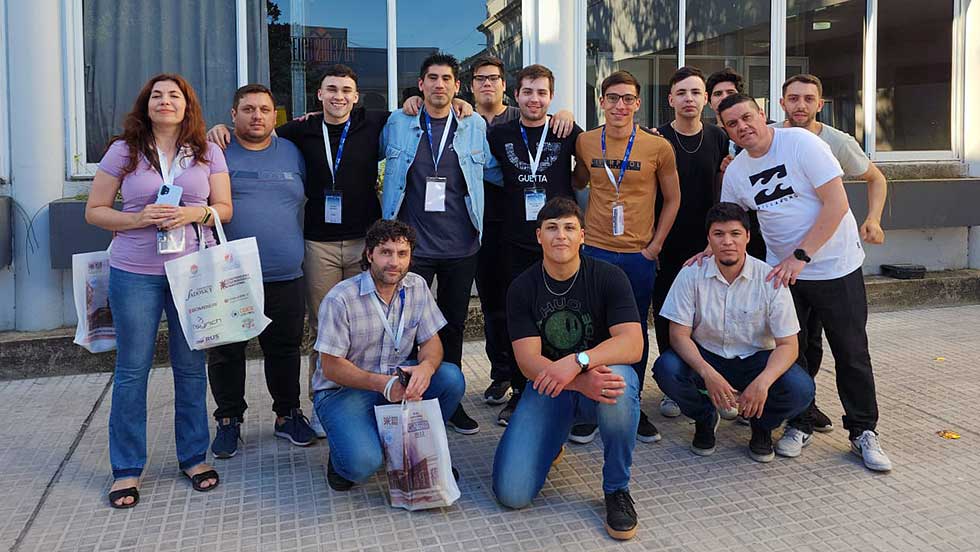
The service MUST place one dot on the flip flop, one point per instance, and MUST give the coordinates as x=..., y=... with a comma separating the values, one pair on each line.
x=114, y=496
x=196, y=480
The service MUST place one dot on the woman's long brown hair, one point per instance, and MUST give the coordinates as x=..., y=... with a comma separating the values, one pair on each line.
x=138, y=130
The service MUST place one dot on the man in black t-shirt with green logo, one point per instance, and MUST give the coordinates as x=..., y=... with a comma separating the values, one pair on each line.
x=575, y=331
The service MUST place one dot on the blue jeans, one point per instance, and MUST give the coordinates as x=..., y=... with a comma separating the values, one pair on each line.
x=540, y=426
x=137, y=302
x=348, y=417
x=642, y=273
x=790, y=395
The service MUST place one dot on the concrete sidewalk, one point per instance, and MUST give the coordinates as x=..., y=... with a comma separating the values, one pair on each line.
x=273, y=496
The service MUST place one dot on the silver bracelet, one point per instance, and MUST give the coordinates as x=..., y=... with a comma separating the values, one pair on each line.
x=388, y=387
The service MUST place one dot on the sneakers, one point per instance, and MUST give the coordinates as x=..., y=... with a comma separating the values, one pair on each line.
x=317, y=427
x=646, y=432
x=225, y=444
x=504, y=417
x=760, y=446
x=669, y=408
x=496, y=393
x=620, y=515
x=742, y=420
x=583, y=434
x=729, y=413
x=868, y=448
x=336, y=481
x=460, y=422
x=703, y=443
x=296, y=428
x=792, y=442
x=821, y=423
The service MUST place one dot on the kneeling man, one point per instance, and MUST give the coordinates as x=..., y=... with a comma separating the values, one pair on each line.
x=368, y=326
x=575, y=331
x=731, y=332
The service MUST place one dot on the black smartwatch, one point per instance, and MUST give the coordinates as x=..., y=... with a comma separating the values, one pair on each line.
x=801, y=255
x=583, y=362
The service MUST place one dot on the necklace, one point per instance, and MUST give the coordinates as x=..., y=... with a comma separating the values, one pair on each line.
x=544, y=276
x=677, y=136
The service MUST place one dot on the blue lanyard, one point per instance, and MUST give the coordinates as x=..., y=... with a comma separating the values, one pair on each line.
x=442, y=143
x=626, y=159
x=335, y=165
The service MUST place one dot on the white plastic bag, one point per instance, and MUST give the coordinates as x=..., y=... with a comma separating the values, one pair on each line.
x=417, y=457
x=218, y=291
x=90, y=285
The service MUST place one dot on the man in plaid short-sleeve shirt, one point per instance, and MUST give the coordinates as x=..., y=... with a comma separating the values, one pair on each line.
x=368, y=326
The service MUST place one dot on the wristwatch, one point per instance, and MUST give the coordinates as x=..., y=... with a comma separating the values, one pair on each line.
x=583, y=361
x=801, y=255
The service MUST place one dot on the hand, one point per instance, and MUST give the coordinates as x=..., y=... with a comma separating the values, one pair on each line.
x=602, y=385
x=562, y=123
x=552, y=380
x=397, y=392
x=156, y=214
x=786, y=272
x=306, y=116
x=722, y=394
x=462, y=108
x=753, y=400
x=412, y=106
x=220, y=135
x=699, y=258
x=726, y=161
x=421, y=376
x=651, y=252
x=182, y=217
x=872, y=233
x=654, y=131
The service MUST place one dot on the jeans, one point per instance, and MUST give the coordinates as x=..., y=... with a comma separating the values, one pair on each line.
x=455, y=278
x=842, y=307
x=491, y=285
x=518, y=261
x=790, y=395
x=540, y=426
x=642, y=273
x=665, y=278
x=137, y=302
x=284, y=305
x=348, y=417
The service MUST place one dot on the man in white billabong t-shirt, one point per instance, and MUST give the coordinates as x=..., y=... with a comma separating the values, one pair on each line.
x=794, y=182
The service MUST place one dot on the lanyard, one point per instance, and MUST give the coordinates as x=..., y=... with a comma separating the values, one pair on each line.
x=442, y=143
x=626, y=159
x=334, y=165
x=169, y=173
x=396, y=337
x=536, y=158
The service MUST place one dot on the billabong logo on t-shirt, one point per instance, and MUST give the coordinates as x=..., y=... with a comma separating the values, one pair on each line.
x=774, y=191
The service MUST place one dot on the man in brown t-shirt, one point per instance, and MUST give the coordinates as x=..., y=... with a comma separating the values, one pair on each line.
x=626, y=165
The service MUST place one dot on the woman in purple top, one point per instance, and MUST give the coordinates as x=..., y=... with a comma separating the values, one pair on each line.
x=164, y=129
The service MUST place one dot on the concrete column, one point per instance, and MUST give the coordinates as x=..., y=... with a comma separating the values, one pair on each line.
x=552, y=36
x=37, y=152
x=974, y=247
x=971, y=110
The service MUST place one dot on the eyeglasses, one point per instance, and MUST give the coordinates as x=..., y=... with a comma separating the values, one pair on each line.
x=628, y=99
x=494, y=79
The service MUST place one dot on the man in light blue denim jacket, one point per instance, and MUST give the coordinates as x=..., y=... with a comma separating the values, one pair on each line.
x=435, y=165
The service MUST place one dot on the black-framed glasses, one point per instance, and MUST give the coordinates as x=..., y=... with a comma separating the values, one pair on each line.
x=628, y=99
x=494, y=79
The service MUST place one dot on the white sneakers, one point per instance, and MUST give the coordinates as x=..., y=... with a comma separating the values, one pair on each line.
x=792, y=442
x=868, y=448
x=669, y=408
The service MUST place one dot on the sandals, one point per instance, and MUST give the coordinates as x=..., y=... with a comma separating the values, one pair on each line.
x=114, y=497
x=196, y=480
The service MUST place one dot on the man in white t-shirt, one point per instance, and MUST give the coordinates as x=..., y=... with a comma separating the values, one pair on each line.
x=791, y=178
x=732, y=332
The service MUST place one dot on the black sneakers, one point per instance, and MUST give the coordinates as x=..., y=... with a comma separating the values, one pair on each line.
x=225, y=444
x=460, y=422
x=821, y=422
x=703, y=443
x=646, y=432
x=760, y=446
x=496, y=393
x=295, y=428
x=620, y=515
x=336, y=481
x=583, y=433
x=504, y=417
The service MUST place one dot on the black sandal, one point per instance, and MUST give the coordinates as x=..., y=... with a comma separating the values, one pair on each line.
x=114, y=496
x=196, y=480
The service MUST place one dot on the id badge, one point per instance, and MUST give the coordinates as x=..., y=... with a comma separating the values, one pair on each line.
x=435, y=194
x=534, y=199
x=333, y=207
x=171, y=241
x=618, y=219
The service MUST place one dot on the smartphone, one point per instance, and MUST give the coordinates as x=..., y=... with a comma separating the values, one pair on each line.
x=169, y=194
x=403, y=376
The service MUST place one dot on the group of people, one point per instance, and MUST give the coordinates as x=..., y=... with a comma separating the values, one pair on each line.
x=490, y=196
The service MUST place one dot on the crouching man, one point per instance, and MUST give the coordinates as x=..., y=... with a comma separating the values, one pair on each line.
x=575, y=331
x=732, y=332
x=368, y=326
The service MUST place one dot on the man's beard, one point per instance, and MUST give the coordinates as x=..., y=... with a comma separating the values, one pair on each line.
x=728, y=262
x=804, y=124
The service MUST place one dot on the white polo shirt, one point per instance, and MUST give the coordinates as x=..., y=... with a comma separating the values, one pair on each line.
x=731, y=320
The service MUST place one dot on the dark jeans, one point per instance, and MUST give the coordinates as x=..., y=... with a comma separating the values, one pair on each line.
x=285, y=304
x=842, y=307
x=491, y=285
x=791, y=394
x=666, y=274
x=518, y=260
x=814, y=344
x=455, y=278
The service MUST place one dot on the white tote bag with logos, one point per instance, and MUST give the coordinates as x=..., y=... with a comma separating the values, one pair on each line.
x=90, y=286
x=417, y=461
x=218, y=291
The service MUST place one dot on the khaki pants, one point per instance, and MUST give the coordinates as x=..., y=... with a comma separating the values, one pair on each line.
x=325, y=264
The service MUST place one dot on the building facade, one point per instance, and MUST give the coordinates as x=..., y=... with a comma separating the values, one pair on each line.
x=897, y=75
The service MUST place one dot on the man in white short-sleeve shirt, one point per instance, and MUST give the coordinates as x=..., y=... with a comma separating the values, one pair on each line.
x=794, y=182
x=732, y=332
